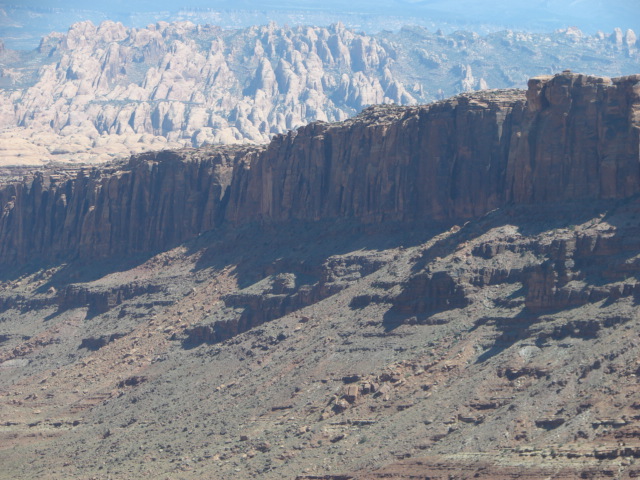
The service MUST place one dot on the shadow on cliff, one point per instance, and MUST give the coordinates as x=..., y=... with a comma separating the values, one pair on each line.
x=295, y=253
x=530, y=221
x=64, y=272
x=259, y=250
x=420, y=299
x=510, y=330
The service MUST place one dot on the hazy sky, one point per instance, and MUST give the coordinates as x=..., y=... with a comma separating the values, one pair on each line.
x=27, y=20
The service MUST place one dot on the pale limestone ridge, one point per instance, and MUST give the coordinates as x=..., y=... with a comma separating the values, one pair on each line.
x=180, y=84
x=102, y=92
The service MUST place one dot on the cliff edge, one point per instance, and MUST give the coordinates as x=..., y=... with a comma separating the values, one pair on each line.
x=568, y=137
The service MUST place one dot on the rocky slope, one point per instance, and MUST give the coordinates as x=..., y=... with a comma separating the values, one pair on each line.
x=98, y=92
x=360, y=337
x=499, y=348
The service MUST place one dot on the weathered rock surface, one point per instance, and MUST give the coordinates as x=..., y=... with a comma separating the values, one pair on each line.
x=114, y=90
x=105, y=91
x=575, y=137
x=572, y=137
x=151, y=202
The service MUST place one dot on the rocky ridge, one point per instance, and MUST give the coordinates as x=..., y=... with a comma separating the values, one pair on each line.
x=189, y=85
x=105, y=91
x=151, y=202
x=452, y=160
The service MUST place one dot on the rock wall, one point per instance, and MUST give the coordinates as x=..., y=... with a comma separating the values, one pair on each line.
x=570, y=137
x=578, y=138
x=153, y=201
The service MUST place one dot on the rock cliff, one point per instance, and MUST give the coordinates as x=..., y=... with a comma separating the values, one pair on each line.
x=569, y=137
x=332, y=323
x=152, y=201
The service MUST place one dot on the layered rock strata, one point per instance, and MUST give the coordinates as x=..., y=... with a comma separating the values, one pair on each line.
x=569, y=137
x=152, y=201
x=572, y=137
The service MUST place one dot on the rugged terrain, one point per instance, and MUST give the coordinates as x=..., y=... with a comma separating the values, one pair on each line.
x=387, y=297
x=101, y=92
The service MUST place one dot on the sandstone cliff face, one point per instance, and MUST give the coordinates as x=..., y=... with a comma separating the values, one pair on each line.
x=151, y=202
x=579, y=139
x=574, y=137
x=571, y=137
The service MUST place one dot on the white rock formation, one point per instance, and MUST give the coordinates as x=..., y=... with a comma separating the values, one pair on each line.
x=103, y=91
x=192, y=85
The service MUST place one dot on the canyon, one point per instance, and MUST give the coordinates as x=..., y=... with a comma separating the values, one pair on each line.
x=419, y=291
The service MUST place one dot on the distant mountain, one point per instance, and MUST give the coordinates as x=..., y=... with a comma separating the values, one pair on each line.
x=23, y=23
x=97, y=92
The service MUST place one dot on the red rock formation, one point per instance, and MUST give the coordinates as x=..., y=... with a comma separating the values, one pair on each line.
x=150, y=203
x=445, y=160
x=575, y=137
x=572, y=137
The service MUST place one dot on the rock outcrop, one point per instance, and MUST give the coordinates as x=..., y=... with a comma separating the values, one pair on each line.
x=149, y=203
x=574, y=137
x=569, y=137
x=103, y=91
x=180, y=84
